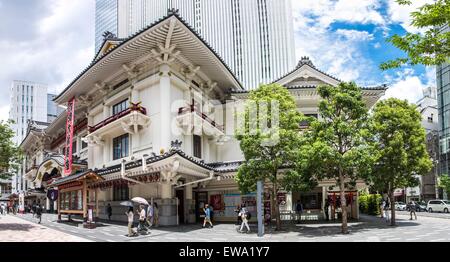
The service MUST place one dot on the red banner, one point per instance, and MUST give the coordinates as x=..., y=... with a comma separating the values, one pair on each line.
x=69, y=137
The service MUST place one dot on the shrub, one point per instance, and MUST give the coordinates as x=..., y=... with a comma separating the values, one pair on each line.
x=370, y=204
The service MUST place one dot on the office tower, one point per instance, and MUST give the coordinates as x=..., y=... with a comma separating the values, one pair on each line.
x=254, y=37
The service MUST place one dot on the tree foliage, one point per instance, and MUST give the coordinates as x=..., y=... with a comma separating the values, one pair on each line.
x=337, y=147
x=9, y=153
x=269, y=150
x=444, y=183
x=431, y=47
x=399, y=147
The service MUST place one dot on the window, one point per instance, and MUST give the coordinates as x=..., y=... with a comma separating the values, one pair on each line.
x=120, y=107
x=120, y=193
x=83, y=144
x=120, y=147
x=74, y=147
x=197, y=146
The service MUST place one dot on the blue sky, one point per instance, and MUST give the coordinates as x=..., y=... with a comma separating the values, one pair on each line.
x=52, y=41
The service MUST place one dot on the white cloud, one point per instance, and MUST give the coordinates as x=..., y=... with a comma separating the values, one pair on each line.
x=59, y=49
x=402, y=13
x=355, y=35
x=338, y=53
x=328, y=12
x=407, y=85
x=4, y=113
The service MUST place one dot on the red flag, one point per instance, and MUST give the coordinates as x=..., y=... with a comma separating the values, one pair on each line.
x=69, y=137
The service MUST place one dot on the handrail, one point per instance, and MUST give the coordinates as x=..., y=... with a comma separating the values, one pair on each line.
x=80, y=126
x=194, y=109
x=133, y=108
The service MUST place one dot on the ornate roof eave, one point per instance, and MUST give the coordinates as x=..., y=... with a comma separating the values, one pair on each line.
x=377, y=89
x=305, y=61
x=61, y=97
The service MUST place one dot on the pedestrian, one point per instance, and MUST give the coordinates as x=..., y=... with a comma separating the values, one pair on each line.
x=412, y=210
x=382, y=204
x=39, y=212
x=387, y=216
x=150, y=216
x=245, y=215
x=130, y=215
x=299, y=211
x=327, y=214
x=142, y=219
x=156, y=215
x=33, y=208
x=238, y=211
x=207, y=219
x=109, y=211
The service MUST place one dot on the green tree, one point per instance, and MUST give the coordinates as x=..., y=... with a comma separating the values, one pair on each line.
x=9, y=153
x=399, y=147
x=337, y=147
x=429, y=48
x=444, y=183
x=269, y=151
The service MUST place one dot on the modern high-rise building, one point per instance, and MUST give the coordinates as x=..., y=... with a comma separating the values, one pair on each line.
x=254, y=37
x=443, y=91
x=28, y=102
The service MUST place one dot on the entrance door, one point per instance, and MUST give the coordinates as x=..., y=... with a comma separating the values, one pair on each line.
x=180, y=196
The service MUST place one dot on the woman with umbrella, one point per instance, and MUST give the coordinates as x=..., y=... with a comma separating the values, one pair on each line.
x=130, y=215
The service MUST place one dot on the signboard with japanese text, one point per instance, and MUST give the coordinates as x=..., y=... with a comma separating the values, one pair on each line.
x=69, y=137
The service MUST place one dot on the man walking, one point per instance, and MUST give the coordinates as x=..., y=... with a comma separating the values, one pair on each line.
x=299, y=210
x=150, y=215
x=386, y=211
x=207, y=211
x=109, y=211
x=412, y=210
x=39, y=212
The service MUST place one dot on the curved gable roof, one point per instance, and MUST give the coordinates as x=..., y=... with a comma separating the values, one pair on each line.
x=188, y=41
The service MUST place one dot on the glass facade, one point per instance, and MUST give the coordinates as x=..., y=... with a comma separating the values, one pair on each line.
x=443, y=89
x=106, y=19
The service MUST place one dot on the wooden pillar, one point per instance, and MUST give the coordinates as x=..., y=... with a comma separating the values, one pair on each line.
x=59, y=206
x=84, y=201
x=96, y=203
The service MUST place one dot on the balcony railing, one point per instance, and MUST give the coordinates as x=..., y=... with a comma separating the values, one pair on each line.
x=133, y=108
x=80, y=126
x=194, y=109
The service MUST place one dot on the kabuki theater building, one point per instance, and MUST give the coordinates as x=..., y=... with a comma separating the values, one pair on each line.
x=147, y=118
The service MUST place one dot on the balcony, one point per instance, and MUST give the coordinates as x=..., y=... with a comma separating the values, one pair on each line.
x=132, y=121
x=192, y=120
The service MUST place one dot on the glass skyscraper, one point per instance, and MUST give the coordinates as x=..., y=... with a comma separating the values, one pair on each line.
x=443, y=89
x=106, y=19
x=254, y=37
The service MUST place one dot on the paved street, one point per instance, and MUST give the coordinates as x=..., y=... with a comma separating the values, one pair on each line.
x=426, y=214
x=369, y=229
x=13, y=229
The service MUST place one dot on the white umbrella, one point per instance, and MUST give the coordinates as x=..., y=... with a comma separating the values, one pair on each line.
x=140, y=200
x=127, y=204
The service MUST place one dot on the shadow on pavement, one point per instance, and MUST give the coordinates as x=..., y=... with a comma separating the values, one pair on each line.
x=16, y=227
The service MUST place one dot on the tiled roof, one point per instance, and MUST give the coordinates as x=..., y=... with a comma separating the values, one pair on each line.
x=381, y=88
x=171, y=13
x=306, y=61
x=225, y=167
x=70, y=178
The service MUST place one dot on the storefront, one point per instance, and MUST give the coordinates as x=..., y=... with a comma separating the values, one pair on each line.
x=75, y=197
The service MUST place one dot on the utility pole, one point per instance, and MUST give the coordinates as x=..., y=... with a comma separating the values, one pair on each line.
x=260, y=211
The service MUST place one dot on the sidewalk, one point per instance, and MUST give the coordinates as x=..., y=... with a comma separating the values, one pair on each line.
x=14, y=229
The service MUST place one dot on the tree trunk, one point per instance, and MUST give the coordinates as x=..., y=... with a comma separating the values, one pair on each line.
x=277, y=207
x=343, y=205
x=392, y=204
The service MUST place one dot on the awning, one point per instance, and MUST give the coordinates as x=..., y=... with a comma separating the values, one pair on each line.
x=88, y=175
